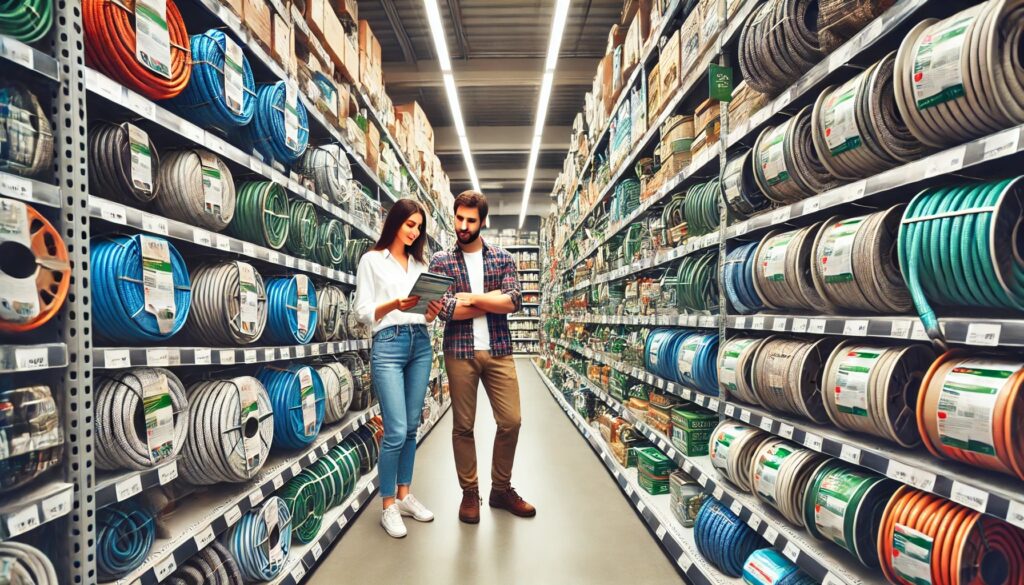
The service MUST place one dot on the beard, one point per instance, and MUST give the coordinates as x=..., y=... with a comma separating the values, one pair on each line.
x=467, y=237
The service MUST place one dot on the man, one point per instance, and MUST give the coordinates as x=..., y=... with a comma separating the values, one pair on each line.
x=478, y=347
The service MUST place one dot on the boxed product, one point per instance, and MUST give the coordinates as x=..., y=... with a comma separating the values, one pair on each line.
x=689, y=43
x=422, y=133
x=668, y=64
x=348, y=9
x=368, y=43
x=258, y=17
x=691, y=431
x=710, y=24
x=607, y=72
x=236, y=6
x=653, y=94
x=356, y=136
x=655, y=485
x=654, y=462
x=687, y=498
x=659, y=418
x=328, y=29
x=631, y=49
x=707, y=124
x=283, y=49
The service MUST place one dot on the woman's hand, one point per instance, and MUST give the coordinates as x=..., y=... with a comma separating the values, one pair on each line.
x=406, y=303
x=433, y=308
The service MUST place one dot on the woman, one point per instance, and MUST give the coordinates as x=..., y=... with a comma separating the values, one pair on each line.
x=401, y=356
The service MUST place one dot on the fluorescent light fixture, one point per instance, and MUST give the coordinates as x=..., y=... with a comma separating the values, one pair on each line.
x=554, y=47
x=441, y=48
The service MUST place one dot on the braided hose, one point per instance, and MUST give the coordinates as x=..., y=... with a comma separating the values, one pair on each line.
x=261, y=214
x=839, y=20
x=701, y=208
x=303, y=226
x=251, y=540
x=292, y=312
x=732, y=448
x=213, y=565
x=124, y=536
x=110, y=165
x=268, y=131
x=26, y=20
x=780, y=472
x=338, y=387
x=723, y=538
x=329, y=169
x=26, y=137
x=788, y=375
x=782, y=273
x=35, y=270
x=786, y=165
x=306, y=500
x=122, y=405
x=224, y=312
x=196, y=187
x=738, y=277
x=778, y=44
x=735, y=368
x=27, y=565
x=297, y=396
x=205, y=99
x=330, y=244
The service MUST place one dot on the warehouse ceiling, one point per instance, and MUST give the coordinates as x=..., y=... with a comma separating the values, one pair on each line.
x=497, y=49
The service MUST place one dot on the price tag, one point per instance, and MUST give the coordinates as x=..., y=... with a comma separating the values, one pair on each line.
x=57, y=506
x=779, y=324
x=730, y=410
x=766, y=424
x=813, y=441
x=799, y=325
x=18, y=52
x=154, y=224
x=318, y=550
x=226, y=356
x=745, y=416
x=757, y=323
x=141, y=105
x=204, y=538
x=250, y=356
x=32, y=358
x=740, y=228
x=713, y=405
x=707, y=321
x=782, y=101
x=1001, y=144
x=791, y=551
x=168, y=473
x=116, y=358
x=315, y=349
x=223, y=243
x=255, y=498
x=273, y=257
x=917, y=331
x=296, y=469
x=202, y=237
x=23, y=520
x=203, y=356
x=703, y=480
x=780, y=215
x=736, y=507
x=113, y=212
x=771, y=535
x=858, y=327
x=640, y=507
x=128, y=488
x=278, y=481
x=918, y=478
x=1015, y=514
x=811, y=205
x=816, y=326
x=832, y=579
x=900, y=329
x=850, y=453
x=298, y=572
x=741, y=323
x=969, y=496
x=163, y=570
x=718, y=493
x=984, y=334
x=786, y=431
x=232, y=515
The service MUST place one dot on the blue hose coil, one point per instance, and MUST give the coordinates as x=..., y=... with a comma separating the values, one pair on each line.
x=118, y=298
x=665, y=347
x=768, y=566
x=291, y=429
x=723, y=539
x=739, y=279
x=267, y=133
x=246, y=541
x=124, y=536
x=204, y=101
x=283, y=313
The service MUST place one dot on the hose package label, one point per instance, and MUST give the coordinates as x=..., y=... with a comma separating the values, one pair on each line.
x=142, y=159
x=773, y=156
x=839, y=122
x=248, y=298
x=774, y=264
x=912, y=555
x=152, y=39
x=273, y=541
x=967, y=403
x=291, y=117
x=158, y=282
x=302, y=303
x=937, y=73
x=249, y=408
x=159, y=410
x=731, y=361
x=308, y=401
x=830, y=505
x=837, y=250
x=213, y=183
x=234, y=89
x=766, y=472
x=720, y=448
x=766, y=569
x=19, y=299
x=852, y=378
x=686, y=355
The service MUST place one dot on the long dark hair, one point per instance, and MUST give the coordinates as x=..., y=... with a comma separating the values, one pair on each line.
x=402, y=210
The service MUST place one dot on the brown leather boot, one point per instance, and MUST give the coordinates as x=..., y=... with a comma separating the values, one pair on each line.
x=508, y=499
x=469, y=510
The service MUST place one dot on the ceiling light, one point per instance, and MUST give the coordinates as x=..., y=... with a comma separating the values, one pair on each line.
x=554, y=47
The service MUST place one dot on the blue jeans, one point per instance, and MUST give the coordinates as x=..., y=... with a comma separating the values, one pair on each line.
x=400, y=363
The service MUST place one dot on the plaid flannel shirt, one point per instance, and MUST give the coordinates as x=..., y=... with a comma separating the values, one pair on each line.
x=500, y=273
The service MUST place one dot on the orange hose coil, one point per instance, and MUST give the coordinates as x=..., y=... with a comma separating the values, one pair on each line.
x=110, y=46
x=49, y=271
x=966, y=547
x=937, y=406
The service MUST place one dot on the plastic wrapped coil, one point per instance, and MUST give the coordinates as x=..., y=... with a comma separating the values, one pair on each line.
x=35, y=271
x=124, y=163
x=261, y=214
x=196, y=187
x=26, y=137
x=782, y=273
x=732, y=448
x=32, y=436
x=788, y=375
x=338, y=387
x=297, y=397
x=261, y=540
x=786, y=165
x=209, y=100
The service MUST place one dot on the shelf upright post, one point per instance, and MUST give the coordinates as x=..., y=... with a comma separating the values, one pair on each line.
x=723, y=211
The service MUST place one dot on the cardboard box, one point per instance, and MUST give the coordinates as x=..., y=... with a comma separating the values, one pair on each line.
x=653, y=94
x=373, y=135
x=631, y=49
x=607, y=69
x=257, y=15
x=690, y=42
x=668, y=64
x=368, y=42
x=348, y=9
x=710, y=24
x=420, y=128
x=373, y=157
x=236, y=6
x=283, y=49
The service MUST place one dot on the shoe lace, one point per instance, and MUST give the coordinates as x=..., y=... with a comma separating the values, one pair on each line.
x=514, y=495
x=472, y=493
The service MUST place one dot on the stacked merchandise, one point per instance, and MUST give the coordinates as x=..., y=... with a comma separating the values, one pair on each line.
x=654, y=469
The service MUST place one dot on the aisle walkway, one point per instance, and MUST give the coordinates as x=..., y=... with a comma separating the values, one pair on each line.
x=585, y=531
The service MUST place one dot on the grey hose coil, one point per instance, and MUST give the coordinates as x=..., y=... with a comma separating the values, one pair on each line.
x=793, y=287
x=855, y=263
x=330, y=244
x=183, y=196
x=732, y=448
x=328, y=167
x=303, y=226
x=781, y=472
x=25, y=133
x=338, y=390
x=857, y=129
x=216, y=313
x=120, y=441
x=220, y=434
x=110, y=165
x=778, y=44
x=788, y=375
x=735, y=361
x=331, y=307
x=213, y=565
x=26, y=565
x=788, y=150
x=992, y=96
x=739, y=187
x=839, y=20
x=873, y=388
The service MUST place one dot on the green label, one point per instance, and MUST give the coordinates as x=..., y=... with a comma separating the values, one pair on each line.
x=852, y=380
x=967, y=403
x=772, y=156
x=839, y=118
x=938, y=76
x=774, y=263
x=912, y=555
x=152, y=39
x=159, y=413
x=720, y=82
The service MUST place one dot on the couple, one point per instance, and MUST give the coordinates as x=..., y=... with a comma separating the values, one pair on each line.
x=477, y=347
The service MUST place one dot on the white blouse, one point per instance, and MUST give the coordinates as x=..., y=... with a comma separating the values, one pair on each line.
x=379, y=279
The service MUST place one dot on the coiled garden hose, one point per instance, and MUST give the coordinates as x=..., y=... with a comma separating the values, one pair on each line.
x=268, y=132
x=661, y=353
x=206, y=100
x=329, y=169
x=196, y=187
x=697, y=282
x=702, y=208
x=738, y=276
x=780, y=472
x=338, y=387
x=26, y=20
x=732, y=448
x=782, y=274
x=27, y=565
x=735, y=363
x=951, y=544
x=110, y=46
x=292, y=310
x=788, y=375
x=229, y=303
x=121, y=267
x=330, y=243
x=297, y=396
x=960, y=246
x=124, y=536
x=134, y=404
x=303, y=226
x=33, y=436
x=778, y=44
x=786, y=165
x=213, y=565
x=971, y=409
x=673, y=221
x=26, y=136
x=767, y=566
x=839, y=20
x=123, y=165
x=306, y=500
x=739, y=187
x=261, y=540
x=872, y=388
x=331, y=476
x=332, y=308
x=261, y=214
x=696, y=362
x=230, y=431
x=946, y=102
x=857, y=129
x=354, y=250
x=35, y=271
x=723, y=538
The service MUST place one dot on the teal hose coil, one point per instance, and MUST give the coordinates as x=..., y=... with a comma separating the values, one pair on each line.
x=261, y=214
x=204, y=100
x=125, y=533
x=26, y=20
x=298, y=398
x=251, y=540
x=292, y=317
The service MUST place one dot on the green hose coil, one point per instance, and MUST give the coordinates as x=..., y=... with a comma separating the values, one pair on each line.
x=959, y=246
x=697, y=282
x=330, y=244
x=303, y=227
x=261, y=214
x=673, y=220
x=26, y=20
x=702, y=208
x=305, y=497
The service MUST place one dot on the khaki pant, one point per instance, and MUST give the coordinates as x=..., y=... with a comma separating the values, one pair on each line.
x=502, y=386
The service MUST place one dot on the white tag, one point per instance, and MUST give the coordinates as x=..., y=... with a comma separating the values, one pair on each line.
x=158, y=282
x=967, y=403
x=857, y=327
x=203, y=356
x=32, y=358
x=945, y=162
x=969, y=496
x=278, y=481
x=757, y=323
x=811, y=205
x=813, y=441
x=912, y=555
x=766, y=424
x=918, y=478
x=791, y=551
x=984, y=334
x=745, y=416
x=204, y=538
x=736, y=507
x=18, y=52
x=232, y=515
x=291, y=117
x=166, y=568
x=785, y=431
x=816, y=326
x=779, y=324
x=117, y=358
x=154, y=223
x=159, y=418
x=268, y=354
x=936, y=68
x=318, y=551
x=308, y=398
x=23, y=520
x=140, y=104
x=202, y=237
x=302, y=311
x=234, y=90
x=168, y=473
x=270, y=520
x=730, y=410
x=900, y=329
x=754, y=522
x=850, y=453
x=298, y=572
x=152, y=39
x=799, y=325
x=128, y=488
x=771, y=535
x=223, y=243
x=57, y=506
x=141, y=158
x=213, y=183
x=250, y=356
x=1015, y=514
x=227, y=356
x=918, y=332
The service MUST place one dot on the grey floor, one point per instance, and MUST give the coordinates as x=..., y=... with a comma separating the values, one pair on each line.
x=585, y=530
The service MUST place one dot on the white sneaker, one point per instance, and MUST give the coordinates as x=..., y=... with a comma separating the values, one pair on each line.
x=391, y=520
x=410, y=506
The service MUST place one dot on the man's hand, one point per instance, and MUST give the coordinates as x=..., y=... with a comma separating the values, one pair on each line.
x=433, y=308
x=406, y=303
x=465, y=299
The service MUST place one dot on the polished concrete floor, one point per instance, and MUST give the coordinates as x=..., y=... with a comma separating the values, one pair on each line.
x=585, y=531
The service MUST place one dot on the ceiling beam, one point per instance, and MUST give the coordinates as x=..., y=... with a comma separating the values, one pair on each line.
x=496, y=72
x=505, y=175
x=460, y=31
x=500, y=139
x=400, y=33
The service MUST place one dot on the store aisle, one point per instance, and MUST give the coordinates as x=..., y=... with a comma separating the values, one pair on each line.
x=584, y=532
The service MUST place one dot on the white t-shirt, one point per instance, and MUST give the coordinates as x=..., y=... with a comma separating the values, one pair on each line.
x=475, y=267
x=379, y=279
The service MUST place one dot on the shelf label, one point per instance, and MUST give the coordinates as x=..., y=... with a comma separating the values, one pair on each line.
x=1015, y=514
x=154, y=223
x=32, y=358
x=223, y=243
x=779, y=324
x=736, y=507
x=232, y=515
x=204, y=538
x=249, y=356
x=202, y=237
x=113, y=212
x=318, y=550
x=771, y=535
x=203, y=356
x=227, y=356
x=298, y=572
x=165, y=569
x=791, y=551
x=754, y=522
x=128, y=488
x=730, y=410
x=850, y=453
x=984, y=334
x=918, y=478
x=813, y=441
x=139, y=104
x=785, y=431
x=57, y=506
x=942, y=163
x=832, y=579
x=816, y=326
x=969, y=496
x=117, y=358
x=168, y=473
x=757, y=323
x=900, y=329
x=857, y=327
x=799, y=325
x=766, y=424
x=1002, y=144
x=745, y=415
x=23, y=520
